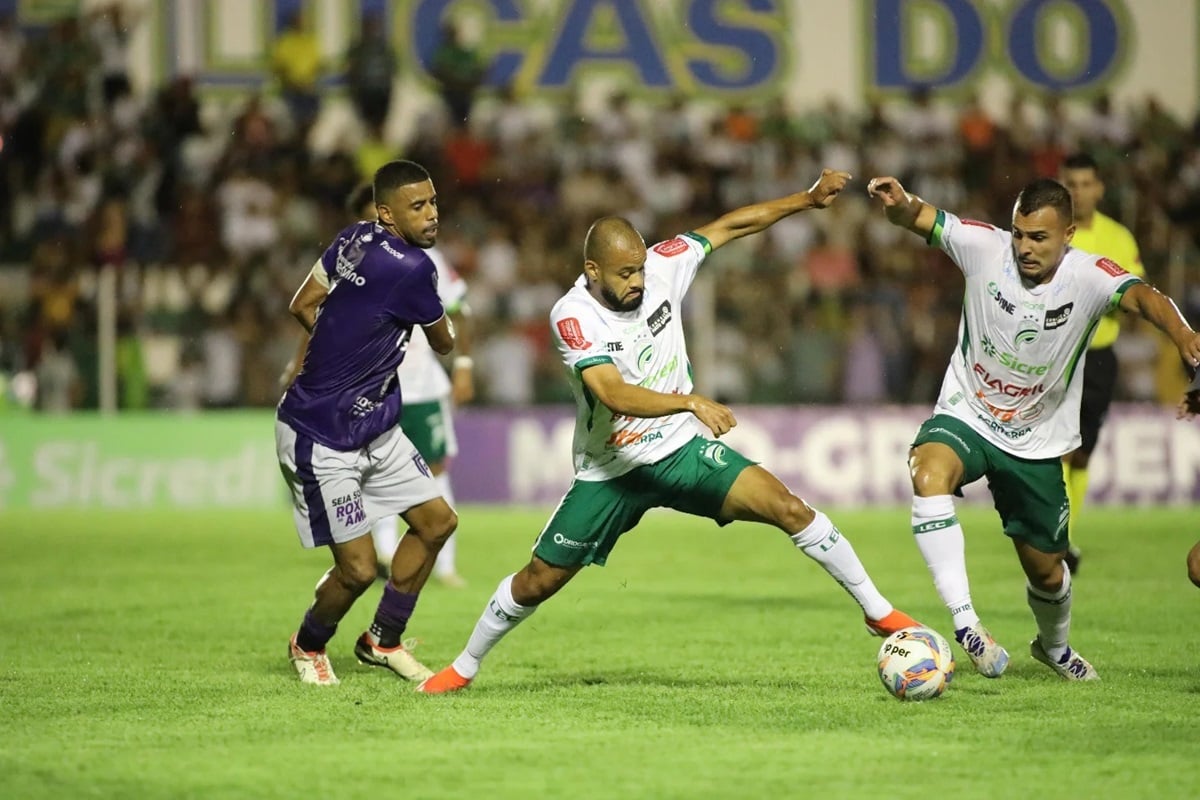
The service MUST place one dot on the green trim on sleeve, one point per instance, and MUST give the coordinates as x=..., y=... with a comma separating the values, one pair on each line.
x=695, y=237
x=591, y=361
x=939, y=227
x=1115, y=300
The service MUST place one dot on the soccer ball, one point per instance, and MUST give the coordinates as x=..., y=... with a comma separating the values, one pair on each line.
x=916, y=664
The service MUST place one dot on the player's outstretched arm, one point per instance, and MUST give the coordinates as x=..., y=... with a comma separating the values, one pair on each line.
x=605, y=382
x=1162, y=312
x=903, y=209
x=760, y=216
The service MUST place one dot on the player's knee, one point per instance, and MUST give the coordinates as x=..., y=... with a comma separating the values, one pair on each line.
x=437, y=530
x=794, y=514
x=932, y=480
x=1046, y=576
x=1193, y=564
x=357, y=575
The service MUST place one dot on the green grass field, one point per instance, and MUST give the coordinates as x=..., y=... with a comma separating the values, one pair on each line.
x=143, y=655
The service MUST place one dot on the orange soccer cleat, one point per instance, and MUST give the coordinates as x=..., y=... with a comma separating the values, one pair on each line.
x=895, y=621
x=445, y=681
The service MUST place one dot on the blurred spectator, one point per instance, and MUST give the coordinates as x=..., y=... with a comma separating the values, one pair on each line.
x=370, y=70
x=109, y=28
x=459, y=71
x=297, y=64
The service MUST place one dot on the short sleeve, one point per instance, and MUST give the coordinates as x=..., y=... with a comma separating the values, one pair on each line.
x=579, y=336
x=969, y=243
x=414, y=300
x=1109, y=281
x=451, y=287
x=678, y=260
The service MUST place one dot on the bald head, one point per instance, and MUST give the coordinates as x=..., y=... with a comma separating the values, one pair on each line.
x=610, y=238
x=614, y=259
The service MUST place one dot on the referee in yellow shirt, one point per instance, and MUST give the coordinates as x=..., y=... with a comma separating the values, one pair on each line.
x=1102, y=235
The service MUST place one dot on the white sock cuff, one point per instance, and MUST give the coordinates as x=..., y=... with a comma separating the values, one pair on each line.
x=504, y=599
x=939, y=506
x=817, y=531
x=1053, y=597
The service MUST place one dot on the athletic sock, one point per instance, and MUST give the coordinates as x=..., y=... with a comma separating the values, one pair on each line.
x=386, y=534
x=392, y=615
x=1052, y=610
x=314, y=634
x=940, y=539
x=824, y=543
x=446, y=563
x=1077, y=486
x=501, y=615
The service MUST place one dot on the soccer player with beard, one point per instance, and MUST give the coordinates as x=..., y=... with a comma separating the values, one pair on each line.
x=1009, y=404
x=344, y=458
x=643, y=439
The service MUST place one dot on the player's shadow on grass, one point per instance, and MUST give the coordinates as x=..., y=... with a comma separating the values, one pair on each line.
x=618, y=679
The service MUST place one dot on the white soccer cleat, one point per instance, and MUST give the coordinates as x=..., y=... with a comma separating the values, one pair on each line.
x=989, y=658
x=1071, y=667
x=313, y=668
x=398, y=659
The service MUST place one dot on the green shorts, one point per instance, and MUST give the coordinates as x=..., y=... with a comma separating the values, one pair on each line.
x=593, y=514
x=428, y=427
x=1030, y=496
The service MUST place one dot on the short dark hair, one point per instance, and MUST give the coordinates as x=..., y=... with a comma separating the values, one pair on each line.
x=1045, y=192
x=1081, y=161
x=363, y=193
x=394, y=174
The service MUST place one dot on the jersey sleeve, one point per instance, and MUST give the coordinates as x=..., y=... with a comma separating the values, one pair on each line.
x=678, y=260
x=451, y=287
x=329, y=259
x=1107, y=281
x=579, y=336
x=414, y=300
x=969, y=243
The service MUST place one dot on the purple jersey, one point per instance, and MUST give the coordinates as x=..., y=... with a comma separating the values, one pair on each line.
x=380, y=287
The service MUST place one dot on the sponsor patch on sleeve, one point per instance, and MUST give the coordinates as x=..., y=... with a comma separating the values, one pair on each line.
x=671, y=247
x=977, y=224
x=1111, y=267
x=572, y=334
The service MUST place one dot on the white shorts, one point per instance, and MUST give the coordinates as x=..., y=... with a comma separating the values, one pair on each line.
x=338, y=495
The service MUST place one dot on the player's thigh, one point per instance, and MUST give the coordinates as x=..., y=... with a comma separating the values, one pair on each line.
x=397, y=477
x=425, y=425
x=326, y=487
x=588, y=520
x=945, y=456
x=759, y=496
x=1099, y=384
x=1031, y=499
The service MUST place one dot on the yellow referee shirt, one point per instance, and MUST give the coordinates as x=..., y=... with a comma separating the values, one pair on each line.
x=1110, y=239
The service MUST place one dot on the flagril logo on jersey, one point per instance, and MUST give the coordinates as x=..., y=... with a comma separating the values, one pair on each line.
x=1057, y=317
x=659, y=319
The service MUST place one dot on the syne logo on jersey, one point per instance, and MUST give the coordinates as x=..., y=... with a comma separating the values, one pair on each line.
x=659, y=319
x=1002, y=301
x=1111, y=267
x=671, y=247
x=613, y=347
x=572, y=334
x=1057, y=317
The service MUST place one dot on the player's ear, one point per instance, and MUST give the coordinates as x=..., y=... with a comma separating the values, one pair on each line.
x=1070, y=234
x=592, y=270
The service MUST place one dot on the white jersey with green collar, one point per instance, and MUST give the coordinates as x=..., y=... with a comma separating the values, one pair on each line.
x=422, y=377
x=1016, y=376
x=648, y=348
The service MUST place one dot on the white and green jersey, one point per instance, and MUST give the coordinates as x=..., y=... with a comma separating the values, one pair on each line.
x=422, y=377
x=1016, y=376
x=647, y=346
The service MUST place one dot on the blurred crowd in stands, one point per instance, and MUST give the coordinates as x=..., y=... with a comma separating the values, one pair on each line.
x=211, y=212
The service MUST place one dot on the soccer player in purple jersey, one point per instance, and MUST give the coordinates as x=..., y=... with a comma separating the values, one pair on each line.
x=345, y=460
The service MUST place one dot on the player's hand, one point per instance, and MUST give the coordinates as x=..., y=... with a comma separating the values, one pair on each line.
x=716, y=417
x=1190, y=350
x=1189, y=406
x=888, y=190
x=462, y=385
x=827, y=187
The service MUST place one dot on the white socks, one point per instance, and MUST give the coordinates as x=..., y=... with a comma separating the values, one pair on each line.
x=940, y=540
x=501, y=615
x=824, y=543
x=1052, y=610
x=445, y=564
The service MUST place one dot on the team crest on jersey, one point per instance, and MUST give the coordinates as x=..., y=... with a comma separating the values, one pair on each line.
x=644, y=357
x=1111, y=267
x=659, y=319
x=1027, y=332
x=1057, y=317
x=671, y=247
x=572, y=334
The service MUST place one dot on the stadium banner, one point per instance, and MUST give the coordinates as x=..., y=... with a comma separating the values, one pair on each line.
x=806, y=51
x=831, y=456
